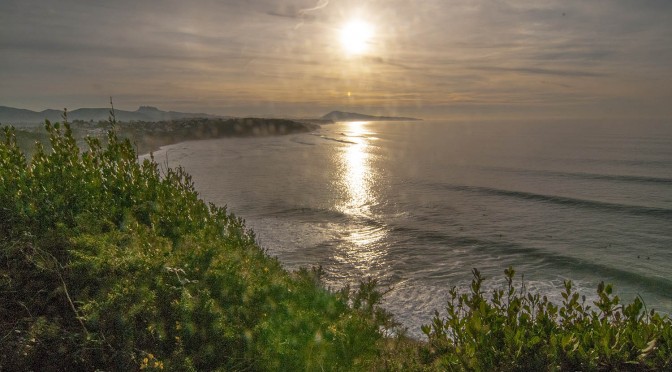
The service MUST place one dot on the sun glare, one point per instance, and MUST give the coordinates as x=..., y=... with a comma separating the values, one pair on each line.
x=356, y=37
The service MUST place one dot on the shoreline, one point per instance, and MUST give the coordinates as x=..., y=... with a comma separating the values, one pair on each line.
x=149, y=137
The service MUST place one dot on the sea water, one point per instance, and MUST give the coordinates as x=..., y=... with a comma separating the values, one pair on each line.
x=418, y=204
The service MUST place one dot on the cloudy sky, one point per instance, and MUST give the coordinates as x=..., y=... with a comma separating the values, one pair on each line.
x=428, y=58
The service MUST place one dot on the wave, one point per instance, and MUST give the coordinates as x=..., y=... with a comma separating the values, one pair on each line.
x=625, y=178
x=295, y=140
x=321, y=215
x=333, y=139
x=317, y=214
x=657, y=285
x=595, y=176
x=640, y=163
x=567, y=201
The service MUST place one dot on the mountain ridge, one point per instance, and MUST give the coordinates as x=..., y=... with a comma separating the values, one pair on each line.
x=14, y=116
x=19, y=116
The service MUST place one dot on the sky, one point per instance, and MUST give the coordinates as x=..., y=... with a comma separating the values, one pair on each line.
x=428, y=58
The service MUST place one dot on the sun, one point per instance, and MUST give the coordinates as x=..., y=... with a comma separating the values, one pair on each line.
x=356, y=37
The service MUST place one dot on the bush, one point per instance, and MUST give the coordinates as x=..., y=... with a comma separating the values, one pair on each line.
x=109, y=263
x=519, y=331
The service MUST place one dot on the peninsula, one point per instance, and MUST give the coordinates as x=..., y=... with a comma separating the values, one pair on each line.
x=353, y=116
x=149, y=136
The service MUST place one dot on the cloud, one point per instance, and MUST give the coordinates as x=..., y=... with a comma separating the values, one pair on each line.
x=321, y=4
x=539, y=71
x=470, y=52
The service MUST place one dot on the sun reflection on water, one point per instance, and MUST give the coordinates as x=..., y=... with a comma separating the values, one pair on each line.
x=356, y=175
x=357, y=181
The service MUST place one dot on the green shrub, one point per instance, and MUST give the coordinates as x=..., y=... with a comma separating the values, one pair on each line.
x=520, y=331
x=111, y=263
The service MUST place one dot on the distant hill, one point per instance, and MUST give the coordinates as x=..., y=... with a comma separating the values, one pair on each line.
x=353, y=116
x=15, y=116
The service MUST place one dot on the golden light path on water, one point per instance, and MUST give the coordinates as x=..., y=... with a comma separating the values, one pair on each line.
x=357, y=179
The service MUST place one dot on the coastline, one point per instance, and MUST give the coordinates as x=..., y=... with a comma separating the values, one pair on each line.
x=148, y=137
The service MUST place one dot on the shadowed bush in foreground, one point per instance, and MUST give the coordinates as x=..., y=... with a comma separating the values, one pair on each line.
x=108, y=263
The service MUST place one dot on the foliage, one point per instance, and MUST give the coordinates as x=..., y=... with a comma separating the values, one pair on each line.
x=111, y=263
x=114, y=264
x=519, y=331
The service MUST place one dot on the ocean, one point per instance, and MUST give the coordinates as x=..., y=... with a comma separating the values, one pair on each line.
x=418, y=204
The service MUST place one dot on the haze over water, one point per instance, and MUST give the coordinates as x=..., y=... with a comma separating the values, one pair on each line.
x=419, y=204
